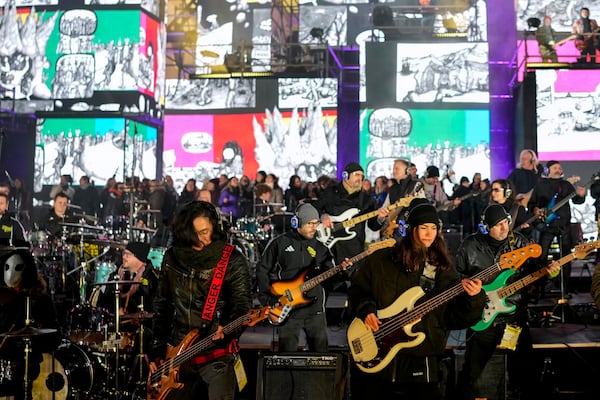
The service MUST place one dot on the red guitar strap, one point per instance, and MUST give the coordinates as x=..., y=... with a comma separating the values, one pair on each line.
x=216, y=284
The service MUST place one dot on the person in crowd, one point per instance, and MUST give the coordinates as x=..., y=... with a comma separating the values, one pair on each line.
x=525, y=176
x=229, y=199
x=260, y=177
x=246, y=196
x=434, y=192
x=380, y=190
x=367, y=187
x=170, y=200
x=420, y=259
x=546, y=38
x=12, y=232
x=334, y=201
x=86, y=196
x=63, y=186
x=188, y=286
x=284, y=259
x=295, y=194
x=413, y=171
x=60, y=213
x=277, y=192
x=189, y=192
x=503, y=194
x=586, y=28
x=476, y=181
x=478, y=252
x=548, y=192
x=111, y=201
x=20, y=199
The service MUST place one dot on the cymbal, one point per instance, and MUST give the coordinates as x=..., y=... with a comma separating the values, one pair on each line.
x=210, y=54
x=138, y=315
x=136, y=201
x=109, y=243
x=144, y=229
x=268, y=204
x=148, y=211
x=28, y=331
x=90, y=218
x=81, y=226
x=116, y=283
x=8, y=249
x=74, y=206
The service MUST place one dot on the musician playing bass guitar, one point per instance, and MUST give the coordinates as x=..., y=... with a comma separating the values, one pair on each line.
x=420, y=259
x=476, y=253
x=546, y=193
x=585, y=28
x=205, y=285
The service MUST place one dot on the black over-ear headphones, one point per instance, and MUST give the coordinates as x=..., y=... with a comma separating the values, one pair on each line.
x=506, y=190
x=484, y=227
x=345, y=175
x=295, y=221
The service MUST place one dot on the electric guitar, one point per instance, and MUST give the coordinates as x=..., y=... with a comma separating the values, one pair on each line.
x=292, y=292
x=373, y=351
x=497, y=290
x=166, y=377
x=549, y=214
x=344, y=221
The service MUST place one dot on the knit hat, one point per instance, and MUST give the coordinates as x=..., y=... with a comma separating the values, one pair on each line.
x=351, y=167
x=432, y=171
x=140, y=250
x=306, y=213
x=493, y=214
x=420, y=212
x=551, y=163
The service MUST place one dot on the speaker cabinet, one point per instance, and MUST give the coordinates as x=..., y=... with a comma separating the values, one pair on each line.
x=296, y=376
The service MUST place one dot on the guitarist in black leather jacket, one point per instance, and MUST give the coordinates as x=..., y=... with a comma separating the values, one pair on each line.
x=335, y=200
x=185, y=284
x=477, y=252
x=547, y=192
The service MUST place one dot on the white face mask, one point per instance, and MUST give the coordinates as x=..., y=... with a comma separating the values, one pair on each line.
x=13, y=270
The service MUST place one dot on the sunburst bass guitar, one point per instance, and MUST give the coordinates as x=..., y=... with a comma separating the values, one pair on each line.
x=292, y=292
x=166, y=377
x=373, y=351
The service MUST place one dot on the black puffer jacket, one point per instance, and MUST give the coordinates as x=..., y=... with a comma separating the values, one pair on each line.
x=182, y=292
x=380, y=282
x=478, y=251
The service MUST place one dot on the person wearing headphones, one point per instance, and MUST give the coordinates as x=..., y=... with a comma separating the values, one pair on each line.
x=287, y=256
x=502, y=193
x=549, y=191
x=204, y=284
x=334, y=205
x=420, y=259
x=476, y=253
x=525, y=176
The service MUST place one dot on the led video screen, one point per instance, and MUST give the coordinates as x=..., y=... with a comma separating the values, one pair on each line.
x=284, y=143
x=97, y=147
x=568, y=111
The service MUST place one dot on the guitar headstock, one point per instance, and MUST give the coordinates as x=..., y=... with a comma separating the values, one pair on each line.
x=516, y=258
x=381, y=245
x=583, y=249
x=573, y=179
x=256, y=315
x=404, y=201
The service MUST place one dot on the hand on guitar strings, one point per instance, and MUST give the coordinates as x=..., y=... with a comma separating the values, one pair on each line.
x=471, y=286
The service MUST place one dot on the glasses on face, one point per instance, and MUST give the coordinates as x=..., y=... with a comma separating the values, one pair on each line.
x=313, y=223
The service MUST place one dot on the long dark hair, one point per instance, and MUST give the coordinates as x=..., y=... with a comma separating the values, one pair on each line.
x=412, y=254
x=183, y=225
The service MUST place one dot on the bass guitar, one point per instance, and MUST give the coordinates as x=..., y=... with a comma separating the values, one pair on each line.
x=548, y=215
x=292, y=292
x=166, y=377
x=497, y=290
x=344, y=221
x=373, y=351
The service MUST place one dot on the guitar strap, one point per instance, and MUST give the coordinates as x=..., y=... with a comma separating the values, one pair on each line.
x=216, y=284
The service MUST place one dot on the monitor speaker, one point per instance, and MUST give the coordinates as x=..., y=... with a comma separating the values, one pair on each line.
x=314, y=376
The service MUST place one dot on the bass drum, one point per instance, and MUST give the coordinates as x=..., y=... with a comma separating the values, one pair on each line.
x=70, y=377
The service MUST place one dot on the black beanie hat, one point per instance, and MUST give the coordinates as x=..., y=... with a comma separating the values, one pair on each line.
x=351, y=167
x=140, y=250
x=493, y=214
x=420, y=212
x=432, y=171
x=551, y=163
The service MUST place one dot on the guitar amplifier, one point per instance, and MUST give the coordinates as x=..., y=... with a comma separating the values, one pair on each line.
x=318, y=376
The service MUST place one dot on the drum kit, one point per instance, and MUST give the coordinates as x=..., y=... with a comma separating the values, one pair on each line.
x=100, y=351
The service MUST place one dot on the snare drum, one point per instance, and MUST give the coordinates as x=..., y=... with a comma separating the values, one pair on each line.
x=39, y=243
x=87, y=324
